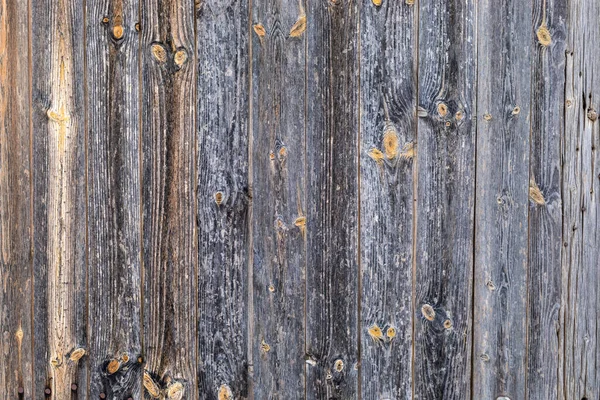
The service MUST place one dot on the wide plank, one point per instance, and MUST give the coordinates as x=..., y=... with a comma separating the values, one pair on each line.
x=388, y=90
x=114, y=195
x=168, y=198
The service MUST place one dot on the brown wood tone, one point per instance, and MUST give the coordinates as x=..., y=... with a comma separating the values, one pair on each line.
x=223, y=197
x=332, y=193
x=544, y=372
x=581, y=206
x=59, y=205
x=279, y=206
x=502, y=199
x=16, y=373
x=168, y=201
x=388, y=90
x=114, y=210
x=445, y=199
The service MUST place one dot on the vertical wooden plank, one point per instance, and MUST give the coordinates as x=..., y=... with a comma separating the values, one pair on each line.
x=114, y=223
x=445, y=199
x=15, y=204
x=544, y=374
x=168, y=140
x=502, y=193
x=223, y=196
x=58, y=123
x=332, y=336
x=278, y=188
x=387, y=128
x=581, y=213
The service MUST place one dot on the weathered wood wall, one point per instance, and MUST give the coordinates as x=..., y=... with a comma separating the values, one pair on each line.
x=256, y=199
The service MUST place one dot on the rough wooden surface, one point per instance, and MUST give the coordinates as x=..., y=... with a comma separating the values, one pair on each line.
x=545, y=217
x=224, y=198
x=332, y=336
x=388, y=89
x=278, y=198
x=168, y=199
x=580, y=176
x=445, y=154
x=16, y=373
x=114, y=192
x=502, y=198
x=59, y=202
x=254, y=199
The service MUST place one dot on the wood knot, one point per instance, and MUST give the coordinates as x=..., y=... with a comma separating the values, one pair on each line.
x=408, y=151
x=339, y=365
x=271, y=288
x=487, y=117
x=447, y=324
x=180, y=57
x=535, y=194
x=138, y=27
x=592, y=115
x=459, y=115
x=377, y=2
x=225, y=393
x=376, y=155
x=390, y=142
x=428, y=312
x=77, y=354
x=543, y=35
x=265, y=347
x=299, y=27
x=159, y=52
x=56, y=361
x=484, y=357
x=410, y=2
x=490, y=285
x=219, y=198
x=391, y=332
x=105, y=20
x=113, y=366
x=442, y=109
x=151, y=386
x=375, y=332
x=300, y=222
x=259, y=29
x=118, y=32
x=516, y=110
x=175, y=391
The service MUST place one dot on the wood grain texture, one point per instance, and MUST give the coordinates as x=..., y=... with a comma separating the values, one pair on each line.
x=332, y=229
x=114, y=192
x=445, y=199
x=58, y=123
x=223, y=196
x=388, y=90
x=168, y=202
x=581, y=213
x=16, y=374
x=279, y=208
x=502, y=193
x=544, y=374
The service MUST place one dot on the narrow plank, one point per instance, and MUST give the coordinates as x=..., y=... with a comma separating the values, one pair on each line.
x=15, y=204
x=114, y=214
x=168, y=202
x=223, y=197
x=502, y=192
x=445, y=199
x=332, y=142
x=279, y=208
x=387, y=129
x=58, y=123
x=545, y=214
x=581, y=212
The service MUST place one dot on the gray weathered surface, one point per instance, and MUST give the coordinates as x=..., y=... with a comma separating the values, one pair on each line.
x=114, y=212
x=15, y=205
x=224, y=197
x=168, y=198
x=580, y=297
x=445, y=199
x=278, y=198
x=58, y=170
x=255, y=199
x=545, y=220
x=387, y=129
x=502, y=198
x=332, y=337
